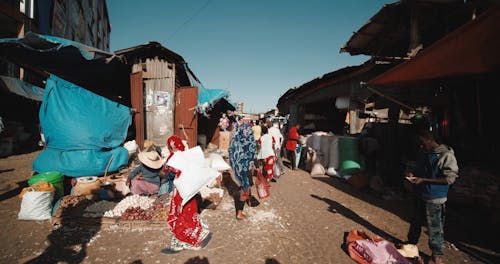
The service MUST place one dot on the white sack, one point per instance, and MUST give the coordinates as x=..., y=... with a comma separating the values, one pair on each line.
x=331, y=172
x=218, y=163
x=334, y=153
x=318, y=169
x=316, y=142
x=194, y=172
x=36, y=206
x=326, y=142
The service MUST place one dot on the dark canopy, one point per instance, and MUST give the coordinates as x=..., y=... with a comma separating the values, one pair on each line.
x=98, y=71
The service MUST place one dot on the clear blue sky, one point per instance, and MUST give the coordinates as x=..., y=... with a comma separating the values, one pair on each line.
x=257, y=50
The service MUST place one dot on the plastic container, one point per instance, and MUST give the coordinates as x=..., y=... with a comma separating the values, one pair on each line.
x=349, y=155
x=350, y=167
x=53, y=177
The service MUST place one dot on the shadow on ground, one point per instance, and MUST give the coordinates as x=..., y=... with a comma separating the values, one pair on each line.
x=465, y=228
x=69, y=239
x=14, y=192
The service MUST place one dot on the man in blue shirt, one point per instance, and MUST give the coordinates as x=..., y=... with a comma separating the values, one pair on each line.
x=436, y=170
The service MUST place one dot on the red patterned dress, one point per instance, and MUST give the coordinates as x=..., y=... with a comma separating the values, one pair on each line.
x=188, y=229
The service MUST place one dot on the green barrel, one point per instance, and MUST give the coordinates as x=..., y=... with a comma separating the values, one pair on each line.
x=349, y=155
x=53, y=177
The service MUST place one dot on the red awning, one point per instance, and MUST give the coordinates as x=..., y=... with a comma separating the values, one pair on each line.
x=472, y=49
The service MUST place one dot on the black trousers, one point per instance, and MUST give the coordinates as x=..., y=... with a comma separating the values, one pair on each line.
x=292, y=156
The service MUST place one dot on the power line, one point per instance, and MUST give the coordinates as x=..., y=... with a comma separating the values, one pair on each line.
x=189, y=19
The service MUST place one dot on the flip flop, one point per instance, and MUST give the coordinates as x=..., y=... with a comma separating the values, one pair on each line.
x=169, y=251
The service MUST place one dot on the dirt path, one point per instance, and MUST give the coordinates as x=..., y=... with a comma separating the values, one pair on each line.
x=304, y=221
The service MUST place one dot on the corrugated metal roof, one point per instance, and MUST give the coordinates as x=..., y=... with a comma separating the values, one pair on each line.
x=154, y=49
x=387, y=33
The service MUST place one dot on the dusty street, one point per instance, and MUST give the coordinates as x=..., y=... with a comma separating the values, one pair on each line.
x=304, y=221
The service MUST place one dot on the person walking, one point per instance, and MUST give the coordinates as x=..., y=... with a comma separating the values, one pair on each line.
x=242, y=153
x=278, y=142
x=266, y=153
x=257, y=129
x=291, y=145
x=435, y=171
x=188, y=229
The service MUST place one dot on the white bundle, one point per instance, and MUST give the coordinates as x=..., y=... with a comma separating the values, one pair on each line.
x=217, y=162
x=334, y=153
x=331, y=171
x=131, y=146
x=318, y=169
x=316, y=142
x=135, y=200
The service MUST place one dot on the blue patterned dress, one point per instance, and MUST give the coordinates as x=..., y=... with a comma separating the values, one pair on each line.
x=242, y=152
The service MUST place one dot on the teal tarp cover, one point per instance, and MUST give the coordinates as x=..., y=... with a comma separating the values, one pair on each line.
x=207, y=98
x=83, y=131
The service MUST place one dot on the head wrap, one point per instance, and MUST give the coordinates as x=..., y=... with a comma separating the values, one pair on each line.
x=175, y=141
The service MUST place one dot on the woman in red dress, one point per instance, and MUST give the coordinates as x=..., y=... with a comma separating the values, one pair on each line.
x=189, y=231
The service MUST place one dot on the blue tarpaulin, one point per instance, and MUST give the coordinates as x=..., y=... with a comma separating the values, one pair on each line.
x=82, y=130
x=207, y=98
x=47, y=43
x=210, y=96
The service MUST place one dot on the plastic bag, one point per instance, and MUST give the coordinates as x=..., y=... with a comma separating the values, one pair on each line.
x=36, y=206
x=262, y=186
x=276, y=170
x=365, y=249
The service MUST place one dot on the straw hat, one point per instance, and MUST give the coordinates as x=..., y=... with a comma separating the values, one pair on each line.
x=151, y=159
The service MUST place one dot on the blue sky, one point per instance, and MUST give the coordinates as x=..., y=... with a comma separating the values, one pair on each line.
x=257, y=50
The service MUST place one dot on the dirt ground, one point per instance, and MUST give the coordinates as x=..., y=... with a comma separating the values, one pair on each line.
x=303, y=221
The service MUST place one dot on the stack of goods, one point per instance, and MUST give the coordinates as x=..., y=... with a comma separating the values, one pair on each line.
x=41, y=186
x=159, y=212
x=133, y=201
x=137, y=213
x=89, y=186
x=72, y=206
x=98, y=209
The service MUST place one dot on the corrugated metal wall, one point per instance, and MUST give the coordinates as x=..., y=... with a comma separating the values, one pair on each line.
x=136, y=94
x=186, y=119
x=158, y=77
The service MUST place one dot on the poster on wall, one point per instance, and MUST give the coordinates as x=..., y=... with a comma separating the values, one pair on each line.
x=162, y=98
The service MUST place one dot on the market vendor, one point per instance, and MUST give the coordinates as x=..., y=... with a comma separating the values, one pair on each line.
x=145, y=179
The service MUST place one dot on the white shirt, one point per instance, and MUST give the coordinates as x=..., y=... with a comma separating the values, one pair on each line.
x=278, y=137
x=266, y=147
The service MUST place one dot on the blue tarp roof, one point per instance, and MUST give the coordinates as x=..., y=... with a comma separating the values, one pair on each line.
x=210, y=96
x=99, y=71
x=207, y=98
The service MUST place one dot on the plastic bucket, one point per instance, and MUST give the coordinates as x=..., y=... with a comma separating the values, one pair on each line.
x=53, y=177
x=350, y=167
x=349, y=155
